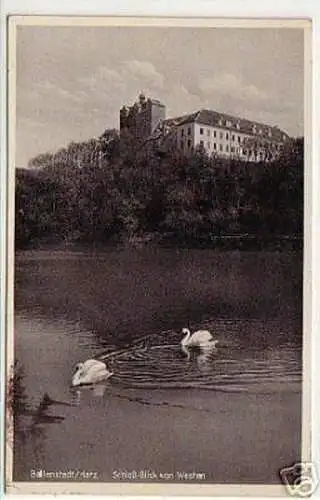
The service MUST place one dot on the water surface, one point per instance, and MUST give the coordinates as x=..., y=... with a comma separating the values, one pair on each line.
x=230, y=415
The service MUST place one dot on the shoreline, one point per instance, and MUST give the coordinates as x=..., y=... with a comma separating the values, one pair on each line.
x=246, y=243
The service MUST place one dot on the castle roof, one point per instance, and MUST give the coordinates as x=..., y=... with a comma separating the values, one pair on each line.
x=229, y=122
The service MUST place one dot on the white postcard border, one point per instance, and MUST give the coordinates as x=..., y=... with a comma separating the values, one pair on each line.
x=148, y=489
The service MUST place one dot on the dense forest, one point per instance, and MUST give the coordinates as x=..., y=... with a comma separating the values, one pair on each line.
x=111, y=188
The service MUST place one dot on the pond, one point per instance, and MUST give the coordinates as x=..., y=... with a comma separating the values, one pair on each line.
x=231, y=415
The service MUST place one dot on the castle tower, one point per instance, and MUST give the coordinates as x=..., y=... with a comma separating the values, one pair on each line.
x=142, y=117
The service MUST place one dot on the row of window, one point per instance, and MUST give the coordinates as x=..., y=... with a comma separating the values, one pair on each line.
x=227, y=134
x=215, y=133
x=253, y=128
x=222, y=149
x=232, y=149
x=232, y=136
x=188, y=131
x=189, y=144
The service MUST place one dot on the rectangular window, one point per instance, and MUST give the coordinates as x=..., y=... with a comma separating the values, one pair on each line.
x=239, y=138
x=189, y=130
x=201, y=131
x=214, y=145
x=215, y=133
x=233, y=137
x=232, y=149
x=208, y=132
x=221, y=135
x=189, y=143
x=227, y=136
x=221, y=147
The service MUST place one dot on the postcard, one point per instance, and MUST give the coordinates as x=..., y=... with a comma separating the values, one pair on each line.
x=158, y=321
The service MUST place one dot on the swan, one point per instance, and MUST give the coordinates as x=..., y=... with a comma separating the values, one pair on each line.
x=200, y=338
x=90, y=372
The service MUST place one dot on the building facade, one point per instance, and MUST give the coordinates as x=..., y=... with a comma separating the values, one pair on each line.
x=227, y=136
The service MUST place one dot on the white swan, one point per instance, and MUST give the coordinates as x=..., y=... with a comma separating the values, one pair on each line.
x=90, y=372
x=200, y=338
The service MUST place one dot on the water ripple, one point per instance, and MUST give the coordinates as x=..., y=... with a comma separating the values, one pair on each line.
x=157, y=362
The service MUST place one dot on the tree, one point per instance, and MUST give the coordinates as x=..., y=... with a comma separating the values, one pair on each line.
x=117, y=186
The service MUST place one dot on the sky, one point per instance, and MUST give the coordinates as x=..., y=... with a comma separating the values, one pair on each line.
x=72, y=81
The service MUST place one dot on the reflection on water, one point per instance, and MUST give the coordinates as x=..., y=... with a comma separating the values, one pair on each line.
x=129, y=310
x=30, y=423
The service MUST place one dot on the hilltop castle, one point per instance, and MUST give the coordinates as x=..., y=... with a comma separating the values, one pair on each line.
x=218, y=133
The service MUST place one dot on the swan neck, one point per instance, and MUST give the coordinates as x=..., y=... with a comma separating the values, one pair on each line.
x=186, y=337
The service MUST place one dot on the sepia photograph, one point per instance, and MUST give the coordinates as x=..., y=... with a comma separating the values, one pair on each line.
x=157, y=181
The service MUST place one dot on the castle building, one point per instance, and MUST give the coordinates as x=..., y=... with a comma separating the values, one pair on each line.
x=227, y=136
x=217, y=133
x=143, y=117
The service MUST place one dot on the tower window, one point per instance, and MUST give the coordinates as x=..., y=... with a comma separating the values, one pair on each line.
x=201, y=131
